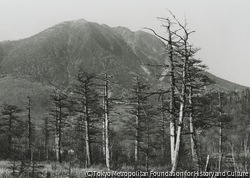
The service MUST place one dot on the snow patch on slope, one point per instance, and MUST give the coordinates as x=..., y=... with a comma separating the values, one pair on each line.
x=145, y=69
x=163, y=74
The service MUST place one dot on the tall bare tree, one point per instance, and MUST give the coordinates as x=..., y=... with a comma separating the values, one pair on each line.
x=171, y=45
x=186, y=70
x=106, y=121
x=185, y=52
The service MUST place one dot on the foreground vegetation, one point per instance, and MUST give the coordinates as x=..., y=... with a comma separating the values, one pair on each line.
x=55, y=170
x=45, y=170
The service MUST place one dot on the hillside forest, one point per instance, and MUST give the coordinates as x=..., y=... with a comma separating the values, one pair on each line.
x=179, y=119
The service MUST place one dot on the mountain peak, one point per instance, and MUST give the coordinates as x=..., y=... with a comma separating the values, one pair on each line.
x=80, y=21
x=55, y=54
x=72, y=22
x=124, y=30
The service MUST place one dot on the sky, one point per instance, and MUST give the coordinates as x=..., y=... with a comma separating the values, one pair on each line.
x=222, y=27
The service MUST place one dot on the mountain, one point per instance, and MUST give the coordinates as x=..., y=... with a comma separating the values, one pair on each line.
x=225, y=85
x=54, y=55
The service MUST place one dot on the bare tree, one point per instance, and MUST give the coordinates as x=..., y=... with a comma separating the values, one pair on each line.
x=185, y=52
x=106, y=122
x=171, y=45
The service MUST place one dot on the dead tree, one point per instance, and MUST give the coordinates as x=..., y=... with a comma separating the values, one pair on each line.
x=184, y=53
x=106, y=122
x=171, y=45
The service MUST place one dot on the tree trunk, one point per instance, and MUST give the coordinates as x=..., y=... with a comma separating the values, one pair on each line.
x=103, y=136
x=106, y=110
x=57, y=146
x=137, y=129
x=207, y=163
x=220, y=136
x=46, y=140
x=194, y=151
x=163, y=148
x=147, y=149
x=87, y=135
x=103, y=124
x=182, y=107
x=220, y=149
x=60, y=145
x=10, y=136
x=29, y=129
x=178, y=138
x=245, y=152
x=87, y=140
x=60, y=130
x=107, y=143
x=172, y=140
x=232, y=149
x=136, y=143
x=172, y=95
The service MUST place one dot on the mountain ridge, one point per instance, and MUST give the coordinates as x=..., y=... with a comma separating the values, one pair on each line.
x=108, y=45
x=54, y=55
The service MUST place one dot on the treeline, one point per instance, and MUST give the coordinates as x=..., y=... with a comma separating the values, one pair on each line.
x=181, y=125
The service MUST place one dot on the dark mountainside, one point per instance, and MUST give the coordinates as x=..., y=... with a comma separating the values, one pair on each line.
x=52, y=57
x=55, y=54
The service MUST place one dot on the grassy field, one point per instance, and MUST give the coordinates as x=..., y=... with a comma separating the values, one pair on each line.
x=4, y=171
x=44, y=170
x=53, y=170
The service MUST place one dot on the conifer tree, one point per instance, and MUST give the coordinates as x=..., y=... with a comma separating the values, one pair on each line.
x=46, y=135
x=10, y=124
x=60, y=113
x=88, y=106
x=137, y=101
x=30, y=132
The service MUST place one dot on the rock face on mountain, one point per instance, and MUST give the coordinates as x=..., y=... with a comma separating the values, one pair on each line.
x=54, y=56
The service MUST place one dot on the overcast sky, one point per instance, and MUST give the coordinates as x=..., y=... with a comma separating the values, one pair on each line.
x=222, y=26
